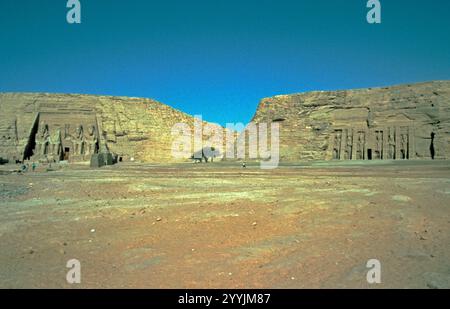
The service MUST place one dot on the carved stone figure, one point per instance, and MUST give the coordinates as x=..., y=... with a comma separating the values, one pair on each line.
x=91, y=141
x=391, y=142
x=404, y=146
x=337, y=146
x=349, y=146
x=42, y=140
x=55, y=144
x=379, y=144
x=79, y=141
x=360, y=146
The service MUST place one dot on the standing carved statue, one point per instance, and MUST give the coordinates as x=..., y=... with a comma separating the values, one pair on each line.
x=379, y=145
x=349, y=147
x=337, y=146
x=391, y=142
x=404, y=146
x=360, y=147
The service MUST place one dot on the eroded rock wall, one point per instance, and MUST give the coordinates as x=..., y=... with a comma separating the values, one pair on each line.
x=130, y=127
x=399, y=122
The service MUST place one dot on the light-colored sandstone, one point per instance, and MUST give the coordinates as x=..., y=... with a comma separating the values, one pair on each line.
x=130, y=127
x=381, y=123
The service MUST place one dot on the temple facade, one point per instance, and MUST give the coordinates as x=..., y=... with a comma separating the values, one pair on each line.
x=57, y=136
x=394, y=142
x=50, y=143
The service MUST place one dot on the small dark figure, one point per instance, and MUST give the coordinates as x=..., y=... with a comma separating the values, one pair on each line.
x=33, y=166
x=244, y=165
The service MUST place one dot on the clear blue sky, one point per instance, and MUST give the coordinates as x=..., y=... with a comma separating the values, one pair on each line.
x=219, y=58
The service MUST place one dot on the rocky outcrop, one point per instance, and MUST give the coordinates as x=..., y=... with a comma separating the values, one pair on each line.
x=73, y=127
x=399, y=122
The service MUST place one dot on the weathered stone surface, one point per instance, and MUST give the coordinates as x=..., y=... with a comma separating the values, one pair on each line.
x=380, y=123
x=129, y=127
x=400, y=122
x=102, y=159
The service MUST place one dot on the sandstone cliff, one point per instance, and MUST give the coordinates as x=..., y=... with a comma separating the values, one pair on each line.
x=399, y=122
x=131, y=127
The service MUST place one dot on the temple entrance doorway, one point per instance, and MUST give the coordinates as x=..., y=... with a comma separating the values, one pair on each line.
x=66, y=153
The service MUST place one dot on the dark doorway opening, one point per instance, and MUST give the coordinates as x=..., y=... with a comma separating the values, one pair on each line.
x=66, y=153
x=369, y=154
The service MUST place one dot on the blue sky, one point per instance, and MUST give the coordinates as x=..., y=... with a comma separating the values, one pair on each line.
x=219, y=58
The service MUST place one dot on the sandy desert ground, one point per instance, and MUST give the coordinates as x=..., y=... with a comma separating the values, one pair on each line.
x=222, y=226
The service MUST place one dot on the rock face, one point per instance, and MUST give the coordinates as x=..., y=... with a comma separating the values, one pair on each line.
x=400, y=122
x=41, y=126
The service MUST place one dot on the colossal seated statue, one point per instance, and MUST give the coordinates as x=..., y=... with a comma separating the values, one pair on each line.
x=42, y=140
